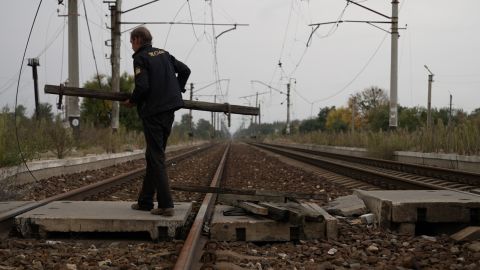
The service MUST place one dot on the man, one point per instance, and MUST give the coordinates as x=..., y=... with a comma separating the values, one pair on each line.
x=157, y=95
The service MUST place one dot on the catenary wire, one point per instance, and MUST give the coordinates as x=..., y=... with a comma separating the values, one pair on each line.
x=16, y=94
x=91, y=43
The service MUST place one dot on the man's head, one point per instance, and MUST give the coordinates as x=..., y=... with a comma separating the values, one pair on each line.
x=139, y=37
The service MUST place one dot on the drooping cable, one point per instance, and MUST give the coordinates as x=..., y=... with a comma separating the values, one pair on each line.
x=171, y=25
x=358, y=74
x=16, y=94
x=91, y=43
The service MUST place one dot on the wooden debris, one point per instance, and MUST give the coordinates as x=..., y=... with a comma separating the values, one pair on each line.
x=253, y=208
x=221, y=190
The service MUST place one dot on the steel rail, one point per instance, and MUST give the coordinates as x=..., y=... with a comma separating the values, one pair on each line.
x=374, y=177
x=6, y=218
x=191, y=251
x=465, y=177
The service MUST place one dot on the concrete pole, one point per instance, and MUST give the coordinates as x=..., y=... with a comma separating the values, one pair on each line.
x=190, y=112
x=115, y=12
x=73, y=109
x=429, y=104
x=394, y=67
x=450, y=112
x=256, y=106
x=354, y=100
x=288, y=108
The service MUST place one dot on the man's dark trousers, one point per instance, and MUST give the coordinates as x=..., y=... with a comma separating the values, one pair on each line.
x=156, y=129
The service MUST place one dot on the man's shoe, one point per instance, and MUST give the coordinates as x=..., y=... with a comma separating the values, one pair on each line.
x=168, y=212
x=137, y=206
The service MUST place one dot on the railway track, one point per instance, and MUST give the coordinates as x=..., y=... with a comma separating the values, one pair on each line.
x=83, y=193
x=189, y=256
x=382, y=173
x=243, y=167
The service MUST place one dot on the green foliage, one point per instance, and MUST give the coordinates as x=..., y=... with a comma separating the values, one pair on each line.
x=203, y=129
x=60, y=138
x=99, y=112
x=378, y=118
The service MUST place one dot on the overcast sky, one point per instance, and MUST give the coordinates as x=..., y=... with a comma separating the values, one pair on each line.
x=339, y=61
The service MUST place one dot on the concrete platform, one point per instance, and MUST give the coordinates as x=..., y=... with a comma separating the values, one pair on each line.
x=7, y=206
x=100, y=216
x=408, y=207
x=260, y=229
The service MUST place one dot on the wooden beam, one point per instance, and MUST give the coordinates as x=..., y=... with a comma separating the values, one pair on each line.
x=189, y=104
x=253, y=208
x=265, y=193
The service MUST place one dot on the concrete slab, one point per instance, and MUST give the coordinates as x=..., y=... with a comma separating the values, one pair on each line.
x=427, y=206
x=347, y=206
x=100, y=216
x=331, y=223
x=257, y=228
x=7, y=206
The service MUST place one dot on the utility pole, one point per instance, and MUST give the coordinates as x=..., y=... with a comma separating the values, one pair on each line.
x=256, y=105
x=214, y=121
x=393, y=20
x=394, y=67
x=190, y=113
x=429, y=104
x=288, y=108
x=34, y=63
x=450, y=112
x=354, y=101
x=73, y=109
x=115, y=13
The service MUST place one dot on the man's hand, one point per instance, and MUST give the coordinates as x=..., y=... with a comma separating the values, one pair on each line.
x=128, y=104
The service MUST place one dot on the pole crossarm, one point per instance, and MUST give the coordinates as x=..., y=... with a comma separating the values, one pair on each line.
x=139, y=6
x=369, y=9
x=269, y=86
x=349, y=21
x=261, y=93
x=189, y=23
x=118, y=96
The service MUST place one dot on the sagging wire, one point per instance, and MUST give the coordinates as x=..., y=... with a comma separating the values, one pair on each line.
x=357, y=75
x=171, y=25
x=91, y=43
x=191, y=19
x=16, y=94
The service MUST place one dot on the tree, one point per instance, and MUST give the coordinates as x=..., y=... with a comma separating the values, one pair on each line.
x=378, y=118
x=411, y=118
x=339, y=119
x=370, y=98
x=99, y=112
x=44, y=112
x=203, y=129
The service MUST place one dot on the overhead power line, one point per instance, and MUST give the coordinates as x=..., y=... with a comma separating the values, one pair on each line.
x=189, y=23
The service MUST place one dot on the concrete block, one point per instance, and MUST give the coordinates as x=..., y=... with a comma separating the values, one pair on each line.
x=347, y=206
x=411, y=206
x=471, y=233
x=331, y=223
x=98, y=216
x=258, y=228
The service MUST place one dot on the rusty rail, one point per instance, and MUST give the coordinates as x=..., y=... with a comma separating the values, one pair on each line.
x=191, y=250
x=6, y=218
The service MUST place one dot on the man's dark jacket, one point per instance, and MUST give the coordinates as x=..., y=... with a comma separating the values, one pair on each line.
x=157, y=89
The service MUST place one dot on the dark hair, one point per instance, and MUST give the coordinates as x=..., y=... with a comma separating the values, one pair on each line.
x=143, y=34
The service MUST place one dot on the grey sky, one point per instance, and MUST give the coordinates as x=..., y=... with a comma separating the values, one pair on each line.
x=440, y=34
